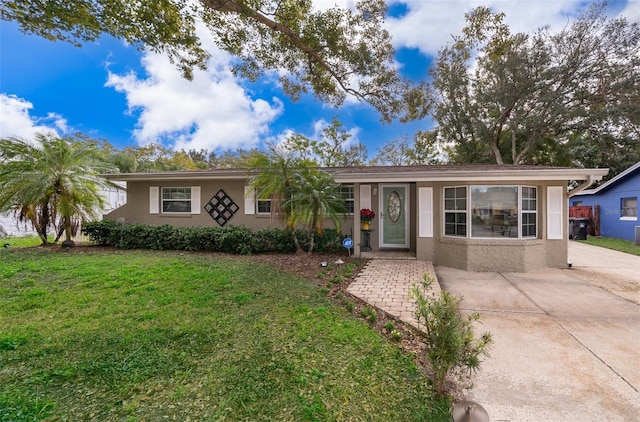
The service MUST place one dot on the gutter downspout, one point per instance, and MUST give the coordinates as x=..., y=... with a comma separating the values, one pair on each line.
x=590, y=181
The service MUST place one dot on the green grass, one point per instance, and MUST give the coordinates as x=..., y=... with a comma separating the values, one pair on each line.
x=139, y=335
x=23, y=241
x=615, y=244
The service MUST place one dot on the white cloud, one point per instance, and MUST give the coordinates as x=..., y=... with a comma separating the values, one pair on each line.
x=429, y=24
x=632, y=11
x=211, y=111
x=16, y=119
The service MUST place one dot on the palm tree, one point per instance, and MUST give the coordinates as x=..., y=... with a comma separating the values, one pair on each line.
x=315, y=197
x=274, y=174
x=52, y=181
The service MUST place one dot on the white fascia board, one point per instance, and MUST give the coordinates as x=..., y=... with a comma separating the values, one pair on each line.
x=610, y=182
x=177, y=176
x=435, y=175
x=489, y=176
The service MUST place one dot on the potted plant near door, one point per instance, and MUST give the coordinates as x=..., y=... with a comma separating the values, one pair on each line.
x=366, y=215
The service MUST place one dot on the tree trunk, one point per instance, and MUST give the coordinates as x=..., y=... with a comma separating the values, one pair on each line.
x=312, y=230
x=44, y=223
x=67, y=229
x=296, y=242
x=514, y=147
x=496, y=150
x=59, y=234
x=43, y=236
x=312, y=238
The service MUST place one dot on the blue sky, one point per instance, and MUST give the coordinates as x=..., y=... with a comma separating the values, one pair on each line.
x=112, y=91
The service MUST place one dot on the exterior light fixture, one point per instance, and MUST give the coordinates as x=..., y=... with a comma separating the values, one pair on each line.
x=469, y=411
x=338, y=263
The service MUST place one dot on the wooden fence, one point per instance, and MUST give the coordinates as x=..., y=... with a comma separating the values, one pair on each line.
x=590, y=212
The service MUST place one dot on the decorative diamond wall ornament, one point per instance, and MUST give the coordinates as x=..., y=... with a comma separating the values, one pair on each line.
x=221, y=208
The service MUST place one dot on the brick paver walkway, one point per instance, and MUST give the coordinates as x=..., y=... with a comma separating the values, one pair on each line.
x=385, y=284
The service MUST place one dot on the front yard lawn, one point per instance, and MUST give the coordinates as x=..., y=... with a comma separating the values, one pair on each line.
x=615, y=244
x=139, y=335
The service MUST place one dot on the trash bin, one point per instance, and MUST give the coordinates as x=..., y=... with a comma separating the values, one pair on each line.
x=578, y=228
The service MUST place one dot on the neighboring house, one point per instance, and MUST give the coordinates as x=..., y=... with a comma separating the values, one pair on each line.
x=472, y=217
x=617, y=202
x=10, y=227
x=115, y=196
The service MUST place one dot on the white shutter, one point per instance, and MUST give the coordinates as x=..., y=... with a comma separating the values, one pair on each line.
x=555, y=214
x=365, y=197
x=195, y=199
x=154, y=199
x=249, y=200
x=425, y=212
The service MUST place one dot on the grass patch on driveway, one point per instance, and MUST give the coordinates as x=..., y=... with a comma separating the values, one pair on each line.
x=619, y=245
x=139, y=335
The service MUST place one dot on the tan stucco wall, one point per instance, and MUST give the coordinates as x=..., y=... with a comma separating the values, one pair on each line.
x=516, y=255
x=509, y=255
x=136, y=210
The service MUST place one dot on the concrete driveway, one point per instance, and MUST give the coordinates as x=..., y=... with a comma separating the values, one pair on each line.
x=614, y=271
x=564, y=349
x=566, y=342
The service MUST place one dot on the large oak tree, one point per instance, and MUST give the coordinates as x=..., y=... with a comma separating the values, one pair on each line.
x=543, y=98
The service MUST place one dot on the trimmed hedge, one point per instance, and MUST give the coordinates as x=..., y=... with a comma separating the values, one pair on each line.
x=231, y=239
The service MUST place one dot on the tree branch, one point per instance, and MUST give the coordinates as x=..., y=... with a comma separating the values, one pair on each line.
x=231, y=6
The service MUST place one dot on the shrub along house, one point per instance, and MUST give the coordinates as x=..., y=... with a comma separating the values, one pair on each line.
x=616, y=202
x=472, y=217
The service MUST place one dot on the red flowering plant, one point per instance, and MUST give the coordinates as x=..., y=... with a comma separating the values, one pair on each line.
x=366, y=215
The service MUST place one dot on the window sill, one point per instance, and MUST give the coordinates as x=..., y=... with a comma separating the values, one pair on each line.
x=176, y=215
x=492, y=241
x=628, y=218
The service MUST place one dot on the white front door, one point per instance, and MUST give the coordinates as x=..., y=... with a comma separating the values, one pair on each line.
x=394, y=207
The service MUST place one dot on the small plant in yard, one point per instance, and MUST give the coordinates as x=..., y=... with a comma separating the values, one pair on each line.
x=396, y=335
x=349, y=305
x=389, y=325
x=329, y=285
x=369, y=313
x=452, y=349
x=348, y=269
x=339, y=296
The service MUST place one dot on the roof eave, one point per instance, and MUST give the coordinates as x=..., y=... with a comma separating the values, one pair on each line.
x=461, y=176
x=434, y=175
x=176, y=176
x=610, y=182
